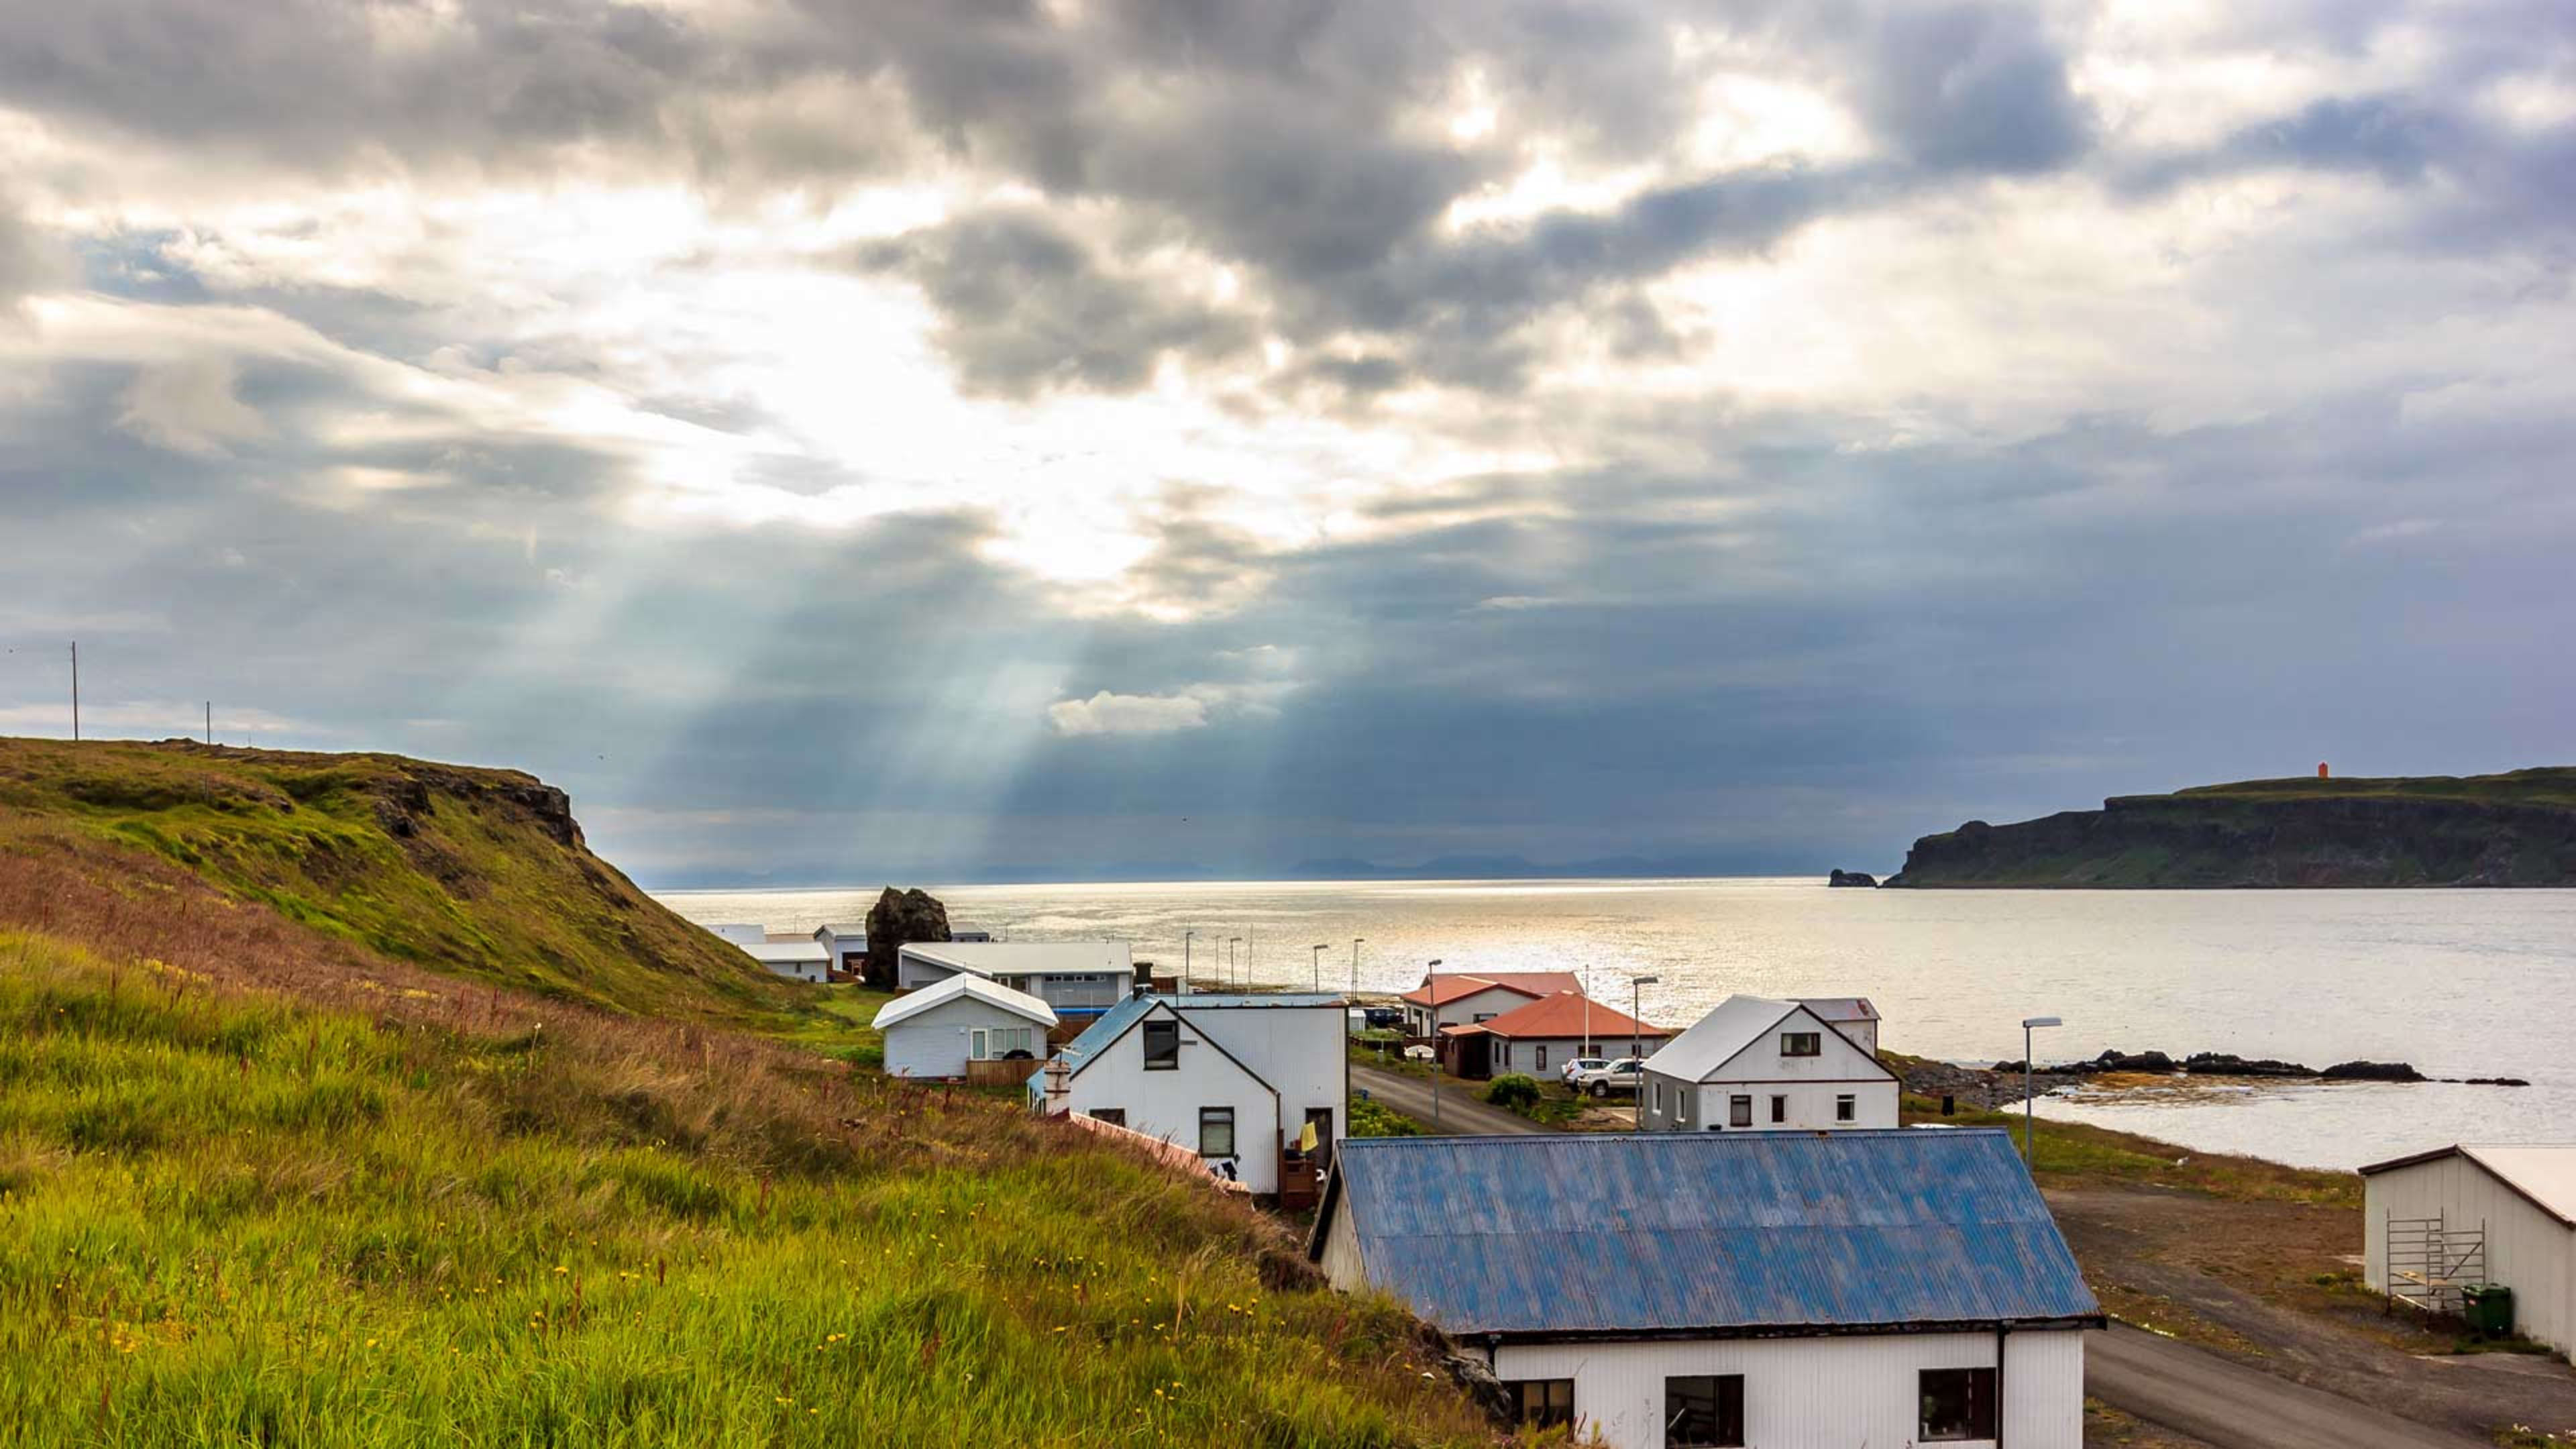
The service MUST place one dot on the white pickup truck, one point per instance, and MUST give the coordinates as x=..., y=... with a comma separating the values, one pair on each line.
x=1601, y=1077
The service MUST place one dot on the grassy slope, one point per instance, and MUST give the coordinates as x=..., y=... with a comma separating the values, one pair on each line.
x=448, y=867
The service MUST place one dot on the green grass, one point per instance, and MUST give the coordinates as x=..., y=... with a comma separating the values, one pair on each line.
x=1372, y=1118
x=470, y=872
x=2074, y=1154
x=229, y=1217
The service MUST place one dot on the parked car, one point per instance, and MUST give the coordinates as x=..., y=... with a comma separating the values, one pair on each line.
x=1601, y=1078
x=1575, y=1066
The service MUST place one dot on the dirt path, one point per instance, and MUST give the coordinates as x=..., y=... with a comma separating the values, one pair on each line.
x=2222, y=1402
x=2244, y=1279
x=1459, y=1113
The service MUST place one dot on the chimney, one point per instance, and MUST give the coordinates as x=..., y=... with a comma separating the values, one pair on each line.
x=1058, y=1085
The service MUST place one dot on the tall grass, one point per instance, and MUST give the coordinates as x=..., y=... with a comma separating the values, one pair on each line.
x=228, y=1216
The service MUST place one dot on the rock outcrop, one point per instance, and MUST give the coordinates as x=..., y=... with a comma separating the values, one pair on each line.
x=2516, y=829
x=1851, y=878
x=897, y=919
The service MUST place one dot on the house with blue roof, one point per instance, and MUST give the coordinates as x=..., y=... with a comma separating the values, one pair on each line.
x=1898, y=1287
x=1240, y=1079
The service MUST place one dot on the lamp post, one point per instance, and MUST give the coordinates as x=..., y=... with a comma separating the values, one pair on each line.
x=1431, y=978
x=1230, y=943
x=2027, y=1111
x=1635, y=1040
x=1355, y=964
x=1185, y=961
x=1315, y=959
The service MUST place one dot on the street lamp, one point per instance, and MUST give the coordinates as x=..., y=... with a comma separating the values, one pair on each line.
x=1355, y=964
x=1431, y=980
x=1635, y=1040
x=2027, y=1110
x=1315, y=959
x=1230, y=943
x=1185, y=961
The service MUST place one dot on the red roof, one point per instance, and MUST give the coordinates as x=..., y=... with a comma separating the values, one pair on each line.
x=1440, y=990
x=1565, y=1015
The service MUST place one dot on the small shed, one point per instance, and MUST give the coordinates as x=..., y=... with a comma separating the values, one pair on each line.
x=2459, y=1216
x=799, y=958
x=945, y=1030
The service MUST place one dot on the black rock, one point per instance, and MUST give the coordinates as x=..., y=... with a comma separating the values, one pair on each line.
x=2372, y=1072
x=897, y=918
x=1851, y=878
x=2493, y=1082
x=2227, y=1064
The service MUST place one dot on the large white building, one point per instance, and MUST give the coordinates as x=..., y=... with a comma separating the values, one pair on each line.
x=936, y=1031
x=2497, y=1214
x=1796, y=1291
x=1237, y=1078
x=1757, y=1065
x=1075, y=974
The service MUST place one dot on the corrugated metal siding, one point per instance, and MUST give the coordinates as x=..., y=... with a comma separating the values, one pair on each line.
x=1816, y=1393
x=2527, y=1250
x=1675, y=1231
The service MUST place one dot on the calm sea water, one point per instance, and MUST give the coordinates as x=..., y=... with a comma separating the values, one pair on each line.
x=2461, y=983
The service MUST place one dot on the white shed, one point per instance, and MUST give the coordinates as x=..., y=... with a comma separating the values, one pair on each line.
x=936, y=1031
x=1792, y=1290
x=2515, y=1206
x=798, y=957
x=1757, y=1065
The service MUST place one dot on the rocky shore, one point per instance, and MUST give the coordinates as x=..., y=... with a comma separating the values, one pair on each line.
x=2002, y=1083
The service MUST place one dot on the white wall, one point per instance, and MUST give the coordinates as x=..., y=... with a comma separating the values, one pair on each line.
x=1760, y=1071
x=1816, y=1393
x=1166, y=1103
x=938, y=1042
x=1522, y=1056
x=1491, y=1002
x=1071, y=988
x=911, y=973
x=2528, y=1251
x=1302, y=1051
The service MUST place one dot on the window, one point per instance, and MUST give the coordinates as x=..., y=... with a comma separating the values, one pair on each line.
x=1802, y=1043
x=1162, y=1046
x=1114, y=1116
x=1779, y=1109
x=1681, y=1105
x=1541, y=1049
x=1739, y=1111
x=1542, y=1402
x=1704, y=1412
x=1846, y=1108
x=1659, y=1099
x=1959, y=1403
x=1484, y=1016
x=992, y=1043
x=1216, y=1132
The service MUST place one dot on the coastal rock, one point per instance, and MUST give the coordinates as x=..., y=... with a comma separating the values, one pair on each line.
x=2371, y=1072
x=2228, y=1064
x=1851, y=878
x=898, y=918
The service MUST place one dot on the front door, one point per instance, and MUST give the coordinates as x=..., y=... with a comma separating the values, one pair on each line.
x=1321, y=1119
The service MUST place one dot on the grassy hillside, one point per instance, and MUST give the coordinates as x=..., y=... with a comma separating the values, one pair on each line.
x=475, y=872
x=2515, y=829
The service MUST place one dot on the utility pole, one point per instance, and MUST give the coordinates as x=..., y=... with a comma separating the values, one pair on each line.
x=1355, y=964
x=1315, y=961
x=76, y=689
x=210, y=721
x=1185, y=961
x=1431, y=977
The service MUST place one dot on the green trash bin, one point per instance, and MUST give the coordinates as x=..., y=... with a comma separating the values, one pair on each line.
x=2489, y=1309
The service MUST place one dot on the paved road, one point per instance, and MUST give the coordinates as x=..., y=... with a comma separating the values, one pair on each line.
x=2196, y=1392
x=2185, y=1389
x=1459, y=1113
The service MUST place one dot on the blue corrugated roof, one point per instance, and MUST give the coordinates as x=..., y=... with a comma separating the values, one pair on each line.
x=1677, y=1231
x=1105, y=1030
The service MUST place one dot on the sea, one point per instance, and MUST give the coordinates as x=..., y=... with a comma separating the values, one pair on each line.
x=2460, y=983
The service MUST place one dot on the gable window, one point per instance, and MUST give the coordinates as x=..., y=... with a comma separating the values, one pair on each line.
x=1846, y=1108
x=1114, y=1116
x=1704, y=1412
x=1542, y=1402
x=1802, y=1043
x=1162, y=1046
x=1779, y=1109
x=1739, y=1111
x=1216, y=1132
x=1958, y=1404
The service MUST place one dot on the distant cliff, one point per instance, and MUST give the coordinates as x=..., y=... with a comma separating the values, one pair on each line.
x=2516, y=829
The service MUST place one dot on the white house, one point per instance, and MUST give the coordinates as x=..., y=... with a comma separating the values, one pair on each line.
x=846, y=945
x=1458, y=999
x=936, y=1031
x=1792, y=1290
x=2509, y=1212
x=801, y=958
x=1540, y=1037
x=1183, y=1070
x=1079, y=974
x=1764, y=1066
x=1853, y=1016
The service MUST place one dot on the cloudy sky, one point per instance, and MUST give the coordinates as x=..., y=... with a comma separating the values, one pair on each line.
x=850, y=440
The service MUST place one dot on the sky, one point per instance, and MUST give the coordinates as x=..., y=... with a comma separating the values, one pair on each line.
x=872, y=440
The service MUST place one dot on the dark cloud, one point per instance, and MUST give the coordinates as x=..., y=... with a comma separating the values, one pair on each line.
x=1026, y=307
x=1969, y=87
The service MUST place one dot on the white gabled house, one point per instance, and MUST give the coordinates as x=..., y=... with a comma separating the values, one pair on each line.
x=936, y=1031
x=1757, y=1065
x=799, y=958
x=846, y=945
x=1236, y=1078
x=1791, y=1290
x=1853, y=1016
x=1084, y=975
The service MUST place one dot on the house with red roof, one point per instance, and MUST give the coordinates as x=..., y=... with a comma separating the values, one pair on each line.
x=1459, y=998
x=1542, y=1036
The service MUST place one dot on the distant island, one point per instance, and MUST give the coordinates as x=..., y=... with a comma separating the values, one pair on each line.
x=2514, y=829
